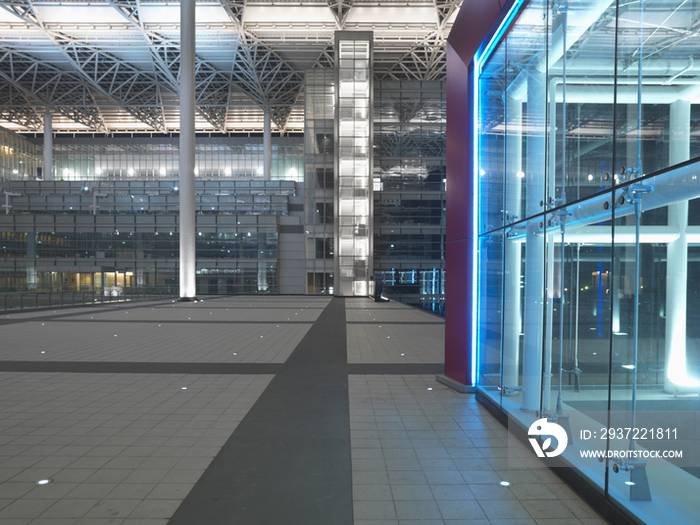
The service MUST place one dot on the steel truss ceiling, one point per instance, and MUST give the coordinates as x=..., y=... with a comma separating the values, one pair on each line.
x=113, y=65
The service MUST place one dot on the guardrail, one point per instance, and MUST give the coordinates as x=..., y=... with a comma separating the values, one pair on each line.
x=11, y=301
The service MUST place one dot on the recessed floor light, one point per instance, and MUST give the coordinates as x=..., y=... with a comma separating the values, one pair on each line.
x=505, y=483
x=184, y=388
x=430, y=388
x=403, y=355
x=630, y=483
x=44, y=481
x=235, y=353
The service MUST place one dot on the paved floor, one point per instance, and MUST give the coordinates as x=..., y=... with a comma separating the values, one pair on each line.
x=246, y=402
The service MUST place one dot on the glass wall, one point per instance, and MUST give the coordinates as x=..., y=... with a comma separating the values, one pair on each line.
x=20, y=159
x=587, y=179
x=409, y=191
x=319, y=183
x=65, y=236
x=156, y=158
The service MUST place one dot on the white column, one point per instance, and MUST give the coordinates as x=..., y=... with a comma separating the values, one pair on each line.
x=31, y=261
x=534, y=262
x=48, y=146
x=677, y=255
x=188, y=263
x=549, y=239
x=512, y=314
x=262, y=263
x=140, y=259
x=267, y=146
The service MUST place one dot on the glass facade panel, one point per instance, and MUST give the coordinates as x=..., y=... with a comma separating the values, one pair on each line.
x=587, y=184
x=139, y=158
x=409, y=191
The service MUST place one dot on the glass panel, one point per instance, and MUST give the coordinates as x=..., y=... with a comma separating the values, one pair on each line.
x=491, y=142
x=580, y=93
x=490, y=318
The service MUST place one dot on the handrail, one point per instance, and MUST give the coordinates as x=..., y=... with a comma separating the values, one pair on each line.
x=35, y=300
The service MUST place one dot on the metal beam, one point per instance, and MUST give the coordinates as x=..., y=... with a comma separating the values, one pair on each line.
x=117, y=80
x=425, y=61
x=15, y=107
x=340, y=10
x=445, y=9
x=326, y=59
x=264, y=74
x=48, y=85
x=235, y=10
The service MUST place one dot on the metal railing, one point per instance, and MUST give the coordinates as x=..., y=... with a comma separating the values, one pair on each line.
x=10, y=301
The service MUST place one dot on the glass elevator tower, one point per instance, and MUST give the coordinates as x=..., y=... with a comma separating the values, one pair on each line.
x=353, y=163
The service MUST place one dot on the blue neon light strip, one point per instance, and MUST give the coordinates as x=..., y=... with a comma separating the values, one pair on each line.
x=480, y=58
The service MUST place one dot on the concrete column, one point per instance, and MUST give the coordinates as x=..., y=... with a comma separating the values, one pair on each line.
x=677, y=256
x=512, y=314
x=535, y=242
x=188, y=263
x=48, y=146
x=262, y=264
x=267, y=146
x=31, y=261
x=139, y=259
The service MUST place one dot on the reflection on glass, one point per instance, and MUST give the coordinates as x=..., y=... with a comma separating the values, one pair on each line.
x=588, y=236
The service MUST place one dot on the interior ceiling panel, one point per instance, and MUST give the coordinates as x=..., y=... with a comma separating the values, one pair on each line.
x=115, y=63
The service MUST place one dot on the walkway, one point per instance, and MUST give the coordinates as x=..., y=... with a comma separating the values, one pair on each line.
x=251, y=410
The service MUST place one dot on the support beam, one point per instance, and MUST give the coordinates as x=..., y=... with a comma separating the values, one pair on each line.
x=677, y=259
x=512, y=314
x=48, y=146
x=424, y=61
x=188, y=262
x=534, y=265
x=267, y=146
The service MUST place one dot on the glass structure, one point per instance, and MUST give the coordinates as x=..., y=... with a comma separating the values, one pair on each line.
x=65, y=236
x=586, y=183
x=409, y=191
x=319, y=183
x=20, y=159
x=353, y=195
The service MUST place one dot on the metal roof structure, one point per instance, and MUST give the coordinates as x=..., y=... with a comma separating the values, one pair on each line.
x=112, y=66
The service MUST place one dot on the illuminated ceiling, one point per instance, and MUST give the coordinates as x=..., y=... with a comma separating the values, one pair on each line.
x=112, y=66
